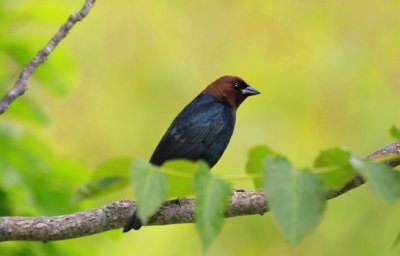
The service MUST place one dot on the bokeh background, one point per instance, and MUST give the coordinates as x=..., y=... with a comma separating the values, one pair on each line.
x=329, y=76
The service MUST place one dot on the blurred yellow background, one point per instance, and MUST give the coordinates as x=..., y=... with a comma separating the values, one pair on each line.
x=329, y=76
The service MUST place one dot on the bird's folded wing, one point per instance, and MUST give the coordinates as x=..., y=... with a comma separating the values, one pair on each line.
x=187, y=141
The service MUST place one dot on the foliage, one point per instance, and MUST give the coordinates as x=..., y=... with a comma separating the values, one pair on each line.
x=322, y=88
x=109, y=176
x=395, y=132
x=212, y=198
x=34, y=179
x=150, y=187
x=383, y=180
x=297, y=200
x=17, y=49
x=255, y=163
x=335, y=168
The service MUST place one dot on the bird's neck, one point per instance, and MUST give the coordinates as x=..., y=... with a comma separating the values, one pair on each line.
x=231, y=102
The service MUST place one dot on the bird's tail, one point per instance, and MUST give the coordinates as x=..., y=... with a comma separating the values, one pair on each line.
x=133, y=223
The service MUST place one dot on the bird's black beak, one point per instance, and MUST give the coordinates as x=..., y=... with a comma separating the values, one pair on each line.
x=249, y=91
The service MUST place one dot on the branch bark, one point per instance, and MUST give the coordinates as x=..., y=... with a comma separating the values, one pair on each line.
x=116, y=214
x=21, y=85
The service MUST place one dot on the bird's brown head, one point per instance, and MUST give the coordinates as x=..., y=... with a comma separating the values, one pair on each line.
x=230, y=90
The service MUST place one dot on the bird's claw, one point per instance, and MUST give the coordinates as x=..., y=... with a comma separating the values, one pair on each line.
x=176, y=201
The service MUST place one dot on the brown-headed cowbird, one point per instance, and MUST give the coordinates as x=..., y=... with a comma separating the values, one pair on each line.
x=204, y=127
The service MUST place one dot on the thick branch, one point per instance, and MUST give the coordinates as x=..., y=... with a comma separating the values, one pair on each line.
x=115, y=215
x=21, y=85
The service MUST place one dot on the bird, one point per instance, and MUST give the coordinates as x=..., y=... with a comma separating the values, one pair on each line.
x=203, y=129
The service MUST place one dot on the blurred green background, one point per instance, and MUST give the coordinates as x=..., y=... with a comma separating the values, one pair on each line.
x=329, y=76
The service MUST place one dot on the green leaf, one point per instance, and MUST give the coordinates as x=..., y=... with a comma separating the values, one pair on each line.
x=150, y=188
x=212, y=198
x=383, y=180
x=180, y=175
x=395, y=132
x=108, y=177
x=336, y=179
x=296, y=200
x=332, y=158
x=337, y=170
x=255, y=163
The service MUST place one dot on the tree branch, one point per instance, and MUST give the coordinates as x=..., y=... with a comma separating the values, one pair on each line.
x=115, y=215
x=21, y=85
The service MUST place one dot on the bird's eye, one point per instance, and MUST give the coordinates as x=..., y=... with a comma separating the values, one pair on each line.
x=239, y=85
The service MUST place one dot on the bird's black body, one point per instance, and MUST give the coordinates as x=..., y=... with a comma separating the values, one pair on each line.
x=203, y=129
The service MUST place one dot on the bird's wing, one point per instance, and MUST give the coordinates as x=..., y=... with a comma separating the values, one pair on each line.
x=188, y=142
x=189, y=136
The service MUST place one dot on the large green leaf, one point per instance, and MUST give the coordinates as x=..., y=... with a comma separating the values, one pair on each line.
x=108, y=177
x=336, y=168
x=296, y=200
x=212, y=198
x=180, y=175
x=383, y=180
x=255, y=163
x=150, y=188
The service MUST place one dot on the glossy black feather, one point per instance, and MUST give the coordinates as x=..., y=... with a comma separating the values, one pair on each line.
x=201, y=131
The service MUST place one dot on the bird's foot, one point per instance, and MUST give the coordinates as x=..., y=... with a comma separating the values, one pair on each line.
x=177, y=201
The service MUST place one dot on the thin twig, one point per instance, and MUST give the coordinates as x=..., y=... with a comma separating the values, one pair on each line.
x=21, y=85
x=115, y=215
